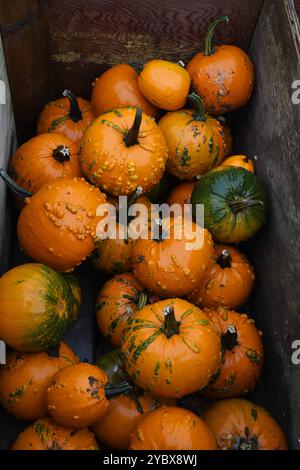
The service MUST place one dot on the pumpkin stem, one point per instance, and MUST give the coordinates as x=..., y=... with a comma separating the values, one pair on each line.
x=14, y=187
x=132, y=136
x=199, y=114
x=224, y=259
x=75, y=111
x=171, y=325
x=142, y=300
x=137, y=193
x=62, y=154
x=239, y=205
x=229, y=339
x=112, y=390
x=208, y=41
x=244, y=443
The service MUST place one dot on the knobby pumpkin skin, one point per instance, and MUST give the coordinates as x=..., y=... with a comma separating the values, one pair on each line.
x=228, y=280
x=195, y=141
x=238, y=424
x=222, y=75
x=122, y=150
x=165, y=265
x=25, y=378
x=243, y=354
x=117, y=301
x=117, y=88
x=36, y=307
x=240, y=161
x=164, y=84
x=171, y=348
x=58, y=225
x=172, y=428
x=235, y=203
x=69, y=116
x=45, y=434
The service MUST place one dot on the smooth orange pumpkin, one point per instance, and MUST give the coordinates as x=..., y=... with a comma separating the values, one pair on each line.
x=243, y=353
x=227, y=136
x=165, y=84
x=171, y=348
x=45, y=434
x=25, y=377
x=238, y=424
x=195, y=141
x=117, y=88
x=239, y=161
x=69, y=116
x=222, y=75
x=228, y=280
x=181, y=194
x=122, y=150
x=172, y=428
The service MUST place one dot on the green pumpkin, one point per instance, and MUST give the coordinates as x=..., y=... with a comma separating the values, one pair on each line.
x=112, y=364
x=235, y=203
x=76, y=292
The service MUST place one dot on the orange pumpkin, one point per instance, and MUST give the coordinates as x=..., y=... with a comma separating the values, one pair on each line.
x=238, y=424
x=195, y=141
x=174, y=261
x=171, y=348
x=58, y=225
x=45, y=434
x=117, y=88
x=227, y=136
x=239, y=161
x=181, y=194
x=172, y=428
x=164, y=84
x=222, y=75
x=69, y=116
x=122, y=150
x=25, y=377
x=117, y=301
x=243, y=354
x=228, y=280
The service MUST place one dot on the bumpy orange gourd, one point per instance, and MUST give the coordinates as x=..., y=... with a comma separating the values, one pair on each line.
x=168, y=265
x=165, y=84
x=238, y=424
x=228, y=280
x=58, y=225
x=117, y=88
x=239, y=161
x=222, y=75
x=25, y=377
x=243, y=354
x=122, y=150
x=172, y=428
x=117, y=301
x=45, y=434
x=69, y=116
x=171, y=348
x=195, y=141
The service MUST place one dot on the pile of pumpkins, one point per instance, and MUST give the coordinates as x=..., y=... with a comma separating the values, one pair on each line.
x=168, y=312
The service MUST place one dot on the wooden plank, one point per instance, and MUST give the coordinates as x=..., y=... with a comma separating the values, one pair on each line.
x=270, y=129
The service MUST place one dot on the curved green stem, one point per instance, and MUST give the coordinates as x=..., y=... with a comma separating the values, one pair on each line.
x=229, y=339
x=75, y=111
x=61, y=154
x=112, y=390
x=224, y=259
x=142, y=300
x=208, y=41
x=132, y=136
x=14, y=187
x=237, y=206
x=199, y=114
x=171, y=325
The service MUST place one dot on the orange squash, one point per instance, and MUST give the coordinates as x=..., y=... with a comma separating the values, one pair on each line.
x=181, y=194
x=122, y=150
x=45, y=434
x=165, y=84
x=222, y=75
x=25, y=377
x=238, y=424
x=227, y=136
x=243, y=354
x=228, y=280
x=171, y=348
x=172, y=428
x=117, y=88
x=239, y=161
x=195, y=141
x=69, y=116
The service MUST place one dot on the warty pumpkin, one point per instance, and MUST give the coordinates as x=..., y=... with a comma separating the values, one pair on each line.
x=222, y=75
x=238, y=424
x=172, y=428
x=69, y=116
x=195, y=140
x=36, y=307
x=117, y=88
x=239, y=161
x=25, y=377
x=122, y=150
x=228, y=280
x=171, y=348
x=45, y=434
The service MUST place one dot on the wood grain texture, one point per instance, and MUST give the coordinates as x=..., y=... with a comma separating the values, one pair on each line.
x=270, y=129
